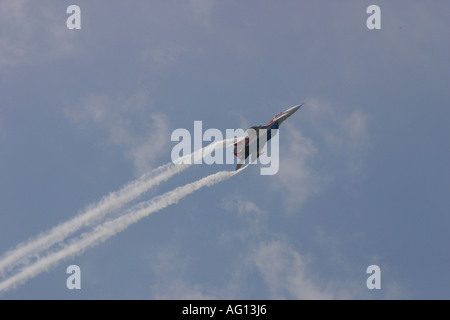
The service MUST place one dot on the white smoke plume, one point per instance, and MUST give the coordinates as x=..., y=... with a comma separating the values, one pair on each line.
x=34, y=247
x=110, y=228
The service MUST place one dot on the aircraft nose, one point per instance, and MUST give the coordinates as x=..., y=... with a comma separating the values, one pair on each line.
x=294, y=109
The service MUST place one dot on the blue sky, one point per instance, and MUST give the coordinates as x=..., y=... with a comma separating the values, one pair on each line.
x=364, y=165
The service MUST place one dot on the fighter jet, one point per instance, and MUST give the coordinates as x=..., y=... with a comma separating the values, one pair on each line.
x=252, y=141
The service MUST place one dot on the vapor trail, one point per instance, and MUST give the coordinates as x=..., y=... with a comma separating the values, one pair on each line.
x=110, y=228
x=23, y=253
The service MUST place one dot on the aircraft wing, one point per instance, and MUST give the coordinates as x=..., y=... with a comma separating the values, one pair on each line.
x=251, y=144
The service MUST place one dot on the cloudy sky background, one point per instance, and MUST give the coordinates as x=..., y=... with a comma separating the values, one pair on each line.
x=364, y=165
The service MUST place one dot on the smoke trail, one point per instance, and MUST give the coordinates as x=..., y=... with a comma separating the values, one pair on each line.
x=110, y=228
x=23, y=253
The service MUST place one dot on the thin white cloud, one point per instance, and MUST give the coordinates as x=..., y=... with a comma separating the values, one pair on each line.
x=158, y=57
x=169, y=49
x=252, y=218
x=170, y=266
x=283, y=270
x=296, y=179
x=340, y=129
x=340, y=135
x=128, y=123
x=202, y=11
x=32, y=32
x=146, y=150
x=355, y=126
x=241, y=205
x=287, y=273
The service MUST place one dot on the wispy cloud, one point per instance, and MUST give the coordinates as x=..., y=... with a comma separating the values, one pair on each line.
x=340, y=135
x=33, y=32
x=296, y=178
x=355, y=126
x=170, y=267
x=342, y=130
x=252, y=219
x=203, y=10
x=241, y=205
x=129, y=123
x=286, y=272
x=159, y=57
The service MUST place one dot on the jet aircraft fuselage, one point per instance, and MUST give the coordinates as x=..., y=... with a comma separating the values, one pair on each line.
x=258, y=136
